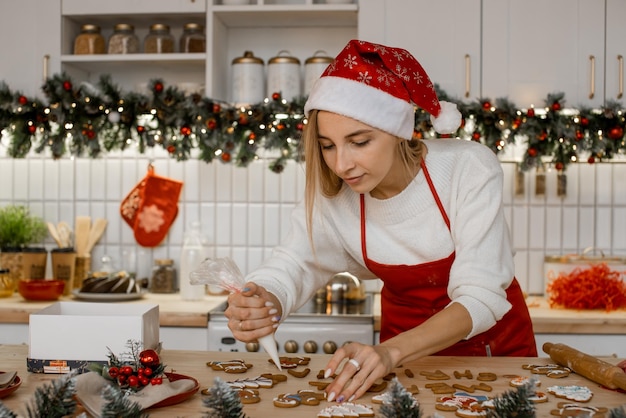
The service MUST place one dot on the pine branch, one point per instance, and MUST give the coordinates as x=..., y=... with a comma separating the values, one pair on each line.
x=515, y=403
x=118, y=405
x=54, y=399
x=618, y=412
x=401, y=403
x=223, y=401
x=5, y=412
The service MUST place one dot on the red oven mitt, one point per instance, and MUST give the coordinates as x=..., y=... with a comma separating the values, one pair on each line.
x=151, y=207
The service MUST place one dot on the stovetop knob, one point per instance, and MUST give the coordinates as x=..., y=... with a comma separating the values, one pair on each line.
x=252, y=347
x=330, y=347
x=310, y=346
x=291, y=346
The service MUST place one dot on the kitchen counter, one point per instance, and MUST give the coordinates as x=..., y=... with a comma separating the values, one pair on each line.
x=193, y=363
x=175, y=312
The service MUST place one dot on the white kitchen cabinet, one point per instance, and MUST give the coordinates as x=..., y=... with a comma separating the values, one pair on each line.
x=31, y=41
x=444, y=35
x=615, y=50
x=535, y=47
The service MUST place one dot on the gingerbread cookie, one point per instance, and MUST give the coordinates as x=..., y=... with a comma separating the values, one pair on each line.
x=573, y=409
x=554, y=371
x=346, y=409
x=251, y=383
x=518, y=381
x=292, y=362
x=299, y=374
x=467, y=374
x=486, y=377
x=318, y=384
x=409, y=373
x=287, y=400
x=440, y=388
x=436, y=375
x=276, y=378
x=248, y=396
x=572, y=393
x=387, y=398
x=230, y=366
x=462, y=404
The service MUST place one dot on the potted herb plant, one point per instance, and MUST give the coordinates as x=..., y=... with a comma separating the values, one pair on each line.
x=18, y=229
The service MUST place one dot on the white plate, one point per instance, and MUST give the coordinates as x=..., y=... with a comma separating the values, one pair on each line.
x=108, y=297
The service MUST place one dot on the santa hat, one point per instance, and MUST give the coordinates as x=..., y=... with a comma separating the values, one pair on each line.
x=379, y=86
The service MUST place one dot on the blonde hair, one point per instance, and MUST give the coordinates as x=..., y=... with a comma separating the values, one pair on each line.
x=318, y=176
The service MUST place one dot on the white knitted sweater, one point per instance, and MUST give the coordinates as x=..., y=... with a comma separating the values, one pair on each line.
x=408, y=229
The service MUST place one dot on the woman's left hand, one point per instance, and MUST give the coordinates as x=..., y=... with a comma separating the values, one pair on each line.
x=363, y=365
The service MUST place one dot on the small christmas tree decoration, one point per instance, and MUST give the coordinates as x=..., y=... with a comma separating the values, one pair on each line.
x=515, y=403
x=401, y=403
x=54, y=399
x=118, y=405
x=223, y=401
x=618, y=412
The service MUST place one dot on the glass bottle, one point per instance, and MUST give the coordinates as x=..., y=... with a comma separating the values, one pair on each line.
x=193, y=253
x=123, y=40
x=193, y=38
x=89, y=41
x=159, y=40
x=164, y=276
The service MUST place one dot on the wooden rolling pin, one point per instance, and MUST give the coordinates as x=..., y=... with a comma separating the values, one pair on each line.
x=594, y=369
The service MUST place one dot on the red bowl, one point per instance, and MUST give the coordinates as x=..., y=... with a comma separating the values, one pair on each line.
x=40, y=289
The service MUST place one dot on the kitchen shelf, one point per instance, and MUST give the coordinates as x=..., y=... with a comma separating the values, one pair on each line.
x=344, y=15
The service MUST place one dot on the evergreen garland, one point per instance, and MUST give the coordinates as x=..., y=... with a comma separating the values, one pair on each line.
x=401, y=404
x=514, y=403
x=83, y=119
x=223, y=401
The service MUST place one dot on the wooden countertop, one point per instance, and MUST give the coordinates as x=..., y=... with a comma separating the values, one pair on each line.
x=175, y=312
x=193, y=363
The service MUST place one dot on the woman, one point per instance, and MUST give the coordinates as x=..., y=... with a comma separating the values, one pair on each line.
x=423, y=216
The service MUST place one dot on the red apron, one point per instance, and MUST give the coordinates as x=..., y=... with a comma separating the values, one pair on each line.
x=412, y=294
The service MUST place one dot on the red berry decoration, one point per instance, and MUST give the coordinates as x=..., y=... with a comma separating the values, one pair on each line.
x=226, y=157
x=532, y=152
x=32, y=129
x=486, y=105
x=126, y=370
x=211, y=124
x=114, y=372
x=243, y=119
x=252, y=136
x=559, y=166
x=579, y=135
x=91, y=134
x=22, y=100
x=141, y=129
x=616, y=132
x=543, y=135
x=185, y=130
x=591, y=159
x=149, y=358
x=156, y=380
x=158, y=87
x=67, y=86
x=276, y=96
x=133, y=381
x=556, y=106
x=217, y=108
x=530, y=112
x=171, y=149
x=584, y=122
x=476, y=136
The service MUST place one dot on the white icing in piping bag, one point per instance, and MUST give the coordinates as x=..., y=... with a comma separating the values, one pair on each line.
x=268, y=343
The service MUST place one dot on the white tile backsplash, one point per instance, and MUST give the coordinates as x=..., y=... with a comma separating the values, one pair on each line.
x=245, y=211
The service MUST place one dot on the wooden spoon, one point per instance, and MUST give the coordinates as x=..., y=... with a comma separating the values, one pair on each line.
x=81, y=234
x=54, y=233
x=96, y=231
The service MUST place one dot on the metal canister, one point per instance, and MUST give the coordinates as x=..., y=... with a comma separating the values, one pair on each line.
x=313, y=68
x=283, y=76
x=248, y=86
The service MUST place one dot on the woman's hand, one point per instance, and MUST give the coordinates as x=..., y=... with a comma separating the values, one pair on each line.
x=252, y=313
x=363, y=365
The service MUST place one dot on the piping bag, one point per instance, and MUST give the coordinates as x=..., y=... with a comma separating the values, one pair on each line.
x=224, y=273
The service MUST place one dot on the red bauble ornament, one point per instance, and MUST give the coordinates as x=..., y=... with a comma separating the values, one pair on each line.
x=584, y=122
x=171, y=149
x=91, y=133
x=300, y=126
x=67, y=86
x=133, y=381
x=530, y=112
x=542, y=136
x=126, y=370
x=252, y=136
x=216, y=108
x=22, y=100
x=475, y=136
x=149, y=358
x=559, y=166
x=532, y=152
x=211, y=124
x=556, y=106
x=243, y=119
x=225, y=157
x=486, y=105
x=141, y=129
x=516, y=123
x=276, y=96
x=616, y=132
x=158, y=87
x=579, y=135
x=32, y=129
x=591, y=159
x=185, y=130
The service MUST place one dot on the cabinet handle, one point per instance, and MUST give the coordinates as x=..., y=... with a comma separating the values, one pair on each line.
x=468, y=66
x=592, y=90
x=620, y=60
x=46, y=60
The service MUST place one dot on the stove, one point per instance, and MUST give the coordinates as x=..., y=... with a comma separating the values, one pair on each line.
x=317, y=327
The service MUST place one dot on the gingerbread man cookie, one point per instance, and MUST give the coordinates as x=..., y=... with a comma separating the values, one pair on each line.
x=463, y=404
x=554, y=371
x=573, y=409
x=346, y=409
x=230, y=366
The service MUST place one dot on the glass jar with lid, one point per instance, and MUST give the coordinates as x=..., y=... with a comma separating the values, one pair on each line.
x=89, y=41
x=159, y=40
x=123, y=40
x=164, y=279
x=193, y=38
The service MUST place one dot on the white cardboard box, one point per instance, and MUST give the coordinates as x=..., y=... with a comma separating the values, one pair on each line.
x=66, y=334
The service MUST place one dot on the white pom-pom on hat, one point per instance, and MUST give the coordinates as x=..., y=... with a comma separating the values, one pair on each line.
x=448, y=120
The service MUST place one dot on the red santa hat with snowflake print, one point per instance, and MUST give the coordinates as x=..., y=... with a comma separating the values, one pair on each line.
x=379, y=86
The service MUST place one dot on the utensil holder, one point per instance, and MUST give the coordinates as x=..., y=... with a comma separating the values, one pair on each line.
x=82, y=268
x=63, y=266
